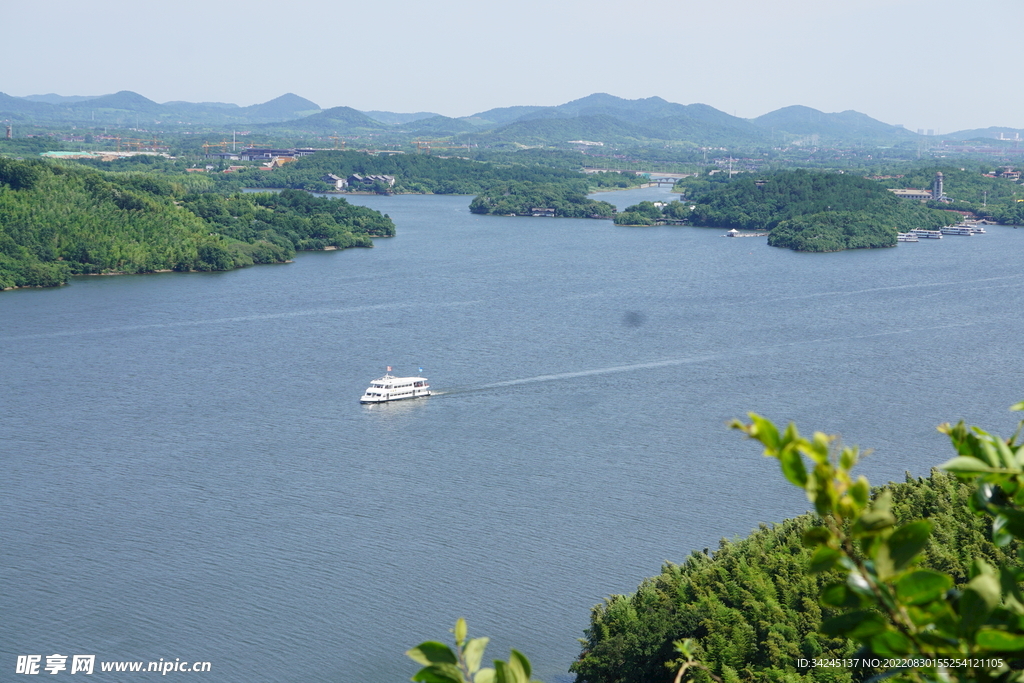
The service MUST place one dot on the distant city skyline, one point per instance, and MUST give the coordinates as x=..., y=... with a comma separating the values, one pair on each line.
x=924, y=64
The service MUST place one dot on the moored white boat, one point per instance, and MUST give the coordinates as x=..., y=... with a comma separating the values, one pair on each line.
x=906, y=237
x=928, y=234
x=957, y=230
x=390, y=388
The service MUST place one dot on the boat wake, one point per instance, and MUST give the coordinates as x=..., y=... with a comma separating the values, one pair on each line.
x=730, y=354
x=918, y=285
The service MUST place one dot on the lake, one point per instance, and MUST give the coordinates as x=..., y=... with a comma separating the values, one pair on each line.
x=189, y=472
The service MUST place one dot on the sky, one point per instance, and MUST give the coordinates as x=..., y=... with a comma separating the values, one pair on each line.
x=944, y=65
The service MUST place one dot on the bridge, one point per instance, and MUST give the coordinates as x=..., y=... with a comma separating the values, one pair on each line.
x=663, y=181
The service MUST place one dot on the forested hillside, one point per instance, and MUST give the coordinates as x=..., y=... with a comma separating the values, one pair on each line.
x=292, y=219
x=416, y=173
x=57, y=221
x=809, y=211
x=970, y=189
x=752, y=605
x=566, y=199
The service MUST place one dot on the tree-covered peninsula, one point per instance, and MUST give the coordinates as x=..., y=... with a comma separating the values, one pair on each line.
x=62, y=220
x=809, y=211
x=566, y=199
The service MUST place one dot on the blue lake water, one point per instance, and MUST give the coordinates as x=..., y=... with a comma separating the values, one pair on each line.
x=188, y=472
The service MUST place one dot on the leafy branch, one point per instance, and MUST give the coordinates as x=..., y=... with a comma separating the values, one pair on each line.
x=894, y=609
x=441, y=664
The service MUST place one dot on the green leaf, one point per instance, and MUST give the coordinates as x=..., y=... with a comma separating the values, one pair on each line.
x=861, y=491
x=930, y=614
x=1000, y=535
x=460, y=631
x=890, y=643
x=501, y=672
x=858, y=625
x=819, y=447
x=840, y=595
x=878, y=516
x=1013, y=521
x=816, y=536
x=921, y=586
x=978, y=600
x=980, y=566
x=987, y=494
x=474, y=652
x=1017, y=406
x=791, y=435
x=848, y=458
x=793, y=467
x=824, y=496
x=1009, y=583
x=993, y=640
x=857, y=583
x=764, y=430
x=484, y=676
x=983, y=450
x=907, y=542
x=432, y=652
x=965, y=464
x=518, y=662
x=439, y=673
x=684, y=647
x=824, y=558
x=1006, y=456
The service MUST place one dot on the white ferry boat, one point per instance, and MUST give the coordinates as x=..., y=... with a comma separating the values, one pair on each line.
x=390, y=388
x=957, y=230
x=906, y=237
x=928, y=234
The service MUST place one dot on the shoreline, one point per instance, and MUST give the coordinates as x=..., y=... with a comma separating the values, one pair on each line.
x=171, y=270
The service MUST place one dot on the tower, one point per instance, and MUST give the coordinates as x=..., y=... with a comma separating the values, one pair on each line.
x=937, y=186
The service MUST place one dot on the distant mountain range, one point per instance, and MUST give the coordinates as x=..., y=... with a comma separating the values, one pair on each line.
x=126, y=108
x=599, y=117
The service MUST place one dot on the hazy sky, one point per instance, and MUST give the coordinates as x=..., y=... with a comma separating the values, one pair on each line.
x=941, y=64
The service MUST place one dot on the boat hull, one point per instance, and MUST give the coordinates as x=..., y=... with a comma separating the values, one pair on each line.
x=376, y=399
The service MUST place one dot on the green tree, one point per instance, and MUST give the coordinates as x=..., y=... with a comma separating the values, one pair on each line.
x=910, y=621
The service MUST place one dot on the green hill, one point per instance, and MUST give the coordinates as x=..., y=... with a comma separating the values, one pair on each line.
x=809, y=211
x=847, y=125
x=127, y=106
x=125, y=100
x=284, y=108
x=500, y=115
x=328, y=121
x=603, y=104
x=396, y=119
x=753, y=607
x=606, y=118
x=438, y=126
x=532, y=131
x=57, y=221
